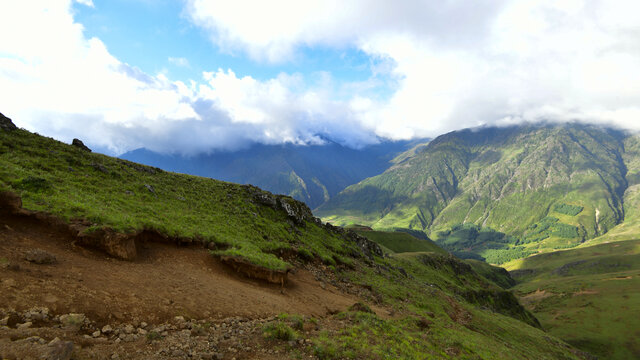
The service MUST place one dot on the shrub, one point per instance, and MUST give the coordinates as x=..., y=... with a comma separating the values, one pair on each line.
x=571, y=210
x=279, y=331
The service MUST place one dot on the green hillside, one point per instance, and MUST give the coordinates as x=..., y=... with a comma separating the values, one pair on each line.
x=586, y=296
x=400, y=242
x=501, y=193
x=438, y=306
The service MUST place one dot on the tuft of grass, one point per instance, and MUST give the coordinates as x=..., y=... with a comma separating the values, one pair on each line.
x=279, y=330
x=153, y=336
x=255, y=256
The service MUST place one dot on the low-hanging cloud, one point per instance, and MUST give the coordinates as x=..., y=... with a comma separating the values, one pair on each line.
x=454, y=64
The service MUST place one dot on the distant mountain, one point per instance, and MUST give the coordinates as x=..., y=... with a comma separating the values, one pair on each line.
x=502, y=193
x=309, y=173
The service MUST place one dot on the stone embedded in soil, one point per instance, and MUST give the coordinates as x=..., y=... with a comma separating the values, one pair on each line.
x=60, y=350
x=39, y=256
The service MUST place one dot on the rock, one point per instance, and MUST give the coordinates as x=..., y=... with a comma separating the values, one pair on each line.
x=150, y=188
x=38, y=256
x=128, y=329
x=116, y=244
x=96, y=334
x=72, y=321
x=24, y=325
x=60, y=350
x=361, y=307
x=6, y=124
x=424, y=323
x=107, y=329
x=143, y=325
x=100, y=168
x=142, y=331
x=79, y=144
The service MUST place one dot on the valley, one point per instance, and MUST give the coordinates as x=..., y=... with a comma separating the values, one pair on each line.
x=105, y=258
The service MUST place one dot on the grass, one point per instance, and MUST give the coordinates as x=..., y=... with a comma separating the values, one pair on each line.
x=400, y=242
x=437, y=316
x=279, y=330
x=505, y=179
x=469, y=316
x=65, y=181
x=587, y=296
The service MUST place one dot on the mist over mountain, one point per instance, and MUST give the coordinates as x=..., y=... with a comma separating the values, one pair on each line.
x=310, y=173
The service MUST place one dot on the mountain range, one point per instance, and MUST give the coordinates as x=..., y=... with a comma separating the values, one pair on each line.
x=309, y=173
x=502, y=193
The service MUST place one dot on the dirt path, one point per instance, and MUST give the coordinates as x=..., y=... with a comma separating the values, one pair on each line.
x=164, y=282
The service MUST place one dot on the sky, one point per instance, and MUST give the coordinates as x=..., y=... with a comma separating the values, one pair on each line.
x=193, y=76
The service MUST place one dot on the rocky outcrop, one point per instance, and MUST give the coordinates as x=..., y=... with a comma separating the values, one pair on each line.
x=295, y=210
x=6, y=124
x=79, y=144
x=122, y=246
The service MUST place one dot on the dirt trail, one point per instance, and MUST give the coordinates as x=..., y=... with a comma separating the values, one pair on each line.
x=163, y=282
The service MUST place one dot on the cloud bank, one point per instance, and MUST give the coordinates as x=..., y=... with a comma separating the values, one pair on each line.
x=455, y=64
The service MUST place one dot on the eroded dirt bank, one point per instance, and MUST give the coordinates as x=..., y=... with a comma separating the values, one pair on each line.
x=164, y=281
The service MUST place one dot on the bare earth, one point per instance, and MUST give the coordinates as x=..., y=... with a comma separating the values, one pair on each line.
x=164, y=282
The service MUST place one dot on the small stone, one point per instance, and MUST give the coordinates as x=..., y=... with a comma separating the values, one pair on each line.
x=96, y=334
x=61, y=350
x=107, y=329
x=128, y=329
x=142, y=331
x=143, y=324
x=25, y=325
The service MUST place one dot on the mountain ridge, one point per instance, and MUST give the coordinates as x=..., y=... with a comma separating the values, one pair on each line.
x=505, y=179
x=309, y=173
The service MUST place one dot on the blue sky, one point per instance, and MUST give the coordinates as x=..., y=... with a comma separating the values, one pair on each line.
x=147, y=34
x=191, y=76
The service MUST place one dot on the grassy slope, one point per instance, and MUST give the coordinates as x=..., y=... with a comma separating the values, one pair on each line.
x=505, y=179
x=74, y=184
x=400, y=242
x=467, y=314
x=586, y=296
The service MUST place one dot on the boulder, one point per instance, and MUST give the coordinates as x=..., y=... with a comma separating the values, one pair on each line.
x=40, y=257
x=79, y=144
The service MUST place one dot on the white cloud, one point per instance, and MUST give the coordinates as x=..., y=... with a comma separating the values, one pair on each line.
x=459, y=63
x=454, y=64
x=88, y=3
x=179, y=61
x=59, y=83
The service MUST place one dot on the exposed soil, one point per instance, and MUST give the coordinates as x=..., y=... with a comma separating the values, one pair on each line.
x=534, y=297
x=163, y=281
x=586, y=292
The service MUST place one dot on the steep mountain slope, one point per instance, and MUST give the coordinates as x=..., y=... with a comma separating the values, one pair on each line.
x=192, y=243
x=500, y=193
x=312, y=173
